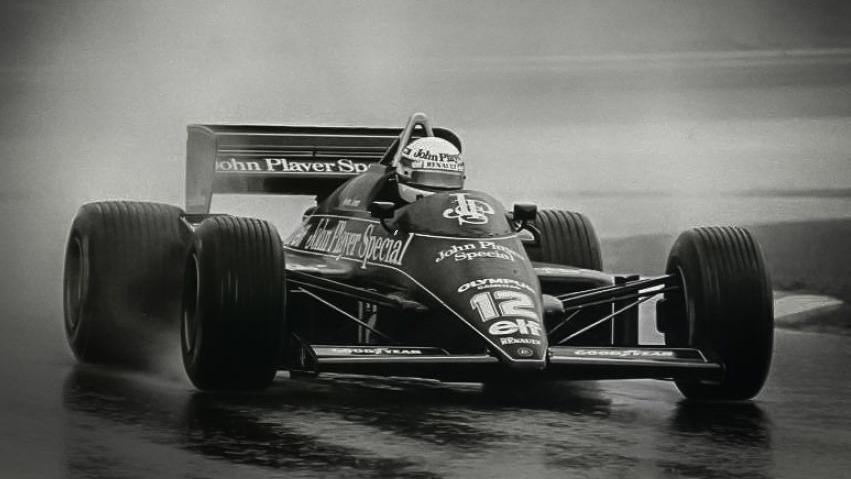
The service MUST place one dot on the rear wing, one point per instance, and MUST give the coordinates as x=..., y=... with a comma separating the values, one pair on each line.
x=293, y=160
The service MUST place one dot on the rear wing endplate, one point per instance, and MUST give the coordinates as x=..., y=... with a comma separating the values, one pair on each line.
x=293, y=160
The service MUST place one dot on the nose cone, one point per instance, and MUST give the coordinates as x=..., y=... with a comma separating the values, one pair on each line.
x=489, y=284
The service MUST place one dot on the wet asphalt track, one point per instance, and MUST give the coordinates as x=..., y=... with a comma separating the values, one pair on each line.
x=65, y=420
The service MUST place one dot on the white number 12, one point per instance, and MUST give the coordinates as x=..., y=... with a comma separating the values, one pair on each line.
x=510, y=303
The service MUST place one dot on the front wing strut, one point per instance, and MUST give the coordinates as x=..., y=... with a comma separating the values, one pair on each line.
x=624, y=297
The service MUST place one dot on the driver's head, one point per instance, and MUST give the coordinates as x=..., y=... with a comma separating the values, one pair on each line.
x=428, y=165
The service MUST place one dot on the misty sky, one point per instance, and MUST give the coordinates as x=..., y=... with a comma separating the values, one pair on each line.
x=100, y=92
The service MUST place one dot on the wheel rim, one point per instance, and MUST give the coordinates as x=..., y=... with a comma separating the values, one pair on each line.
x=75, y=284
x=190, y=305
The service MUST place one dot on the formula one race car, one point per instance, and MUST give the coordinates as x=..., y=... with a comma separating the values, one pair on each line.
x=449, y=286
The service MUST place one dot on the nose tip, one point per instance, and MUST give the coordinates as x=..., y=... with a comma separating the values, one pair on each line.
x=528, y=364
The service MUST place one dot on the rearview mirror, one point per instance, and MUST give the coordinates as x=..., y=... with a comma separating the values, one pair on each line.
x=525, y=212
x=382, y=210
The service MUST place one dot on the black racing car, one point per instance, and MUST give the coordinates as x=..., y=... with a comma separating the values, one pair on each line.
x=451, y=286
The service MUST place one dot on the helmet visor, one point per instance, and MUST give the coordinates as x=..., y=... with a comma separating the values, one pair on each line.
x=444, y=180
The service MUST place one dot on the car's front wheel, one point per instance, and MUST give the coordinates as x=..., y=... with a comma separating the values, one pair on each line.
x=726, y=309
x=233, y=304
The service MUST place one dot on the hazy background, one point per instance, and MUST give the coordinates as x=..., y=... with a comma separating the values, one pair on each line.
x=648, y=115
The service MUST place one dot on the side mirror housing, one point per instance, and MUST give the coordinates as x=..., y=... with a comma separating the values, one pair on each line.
x=381, y=210
x=525, y=212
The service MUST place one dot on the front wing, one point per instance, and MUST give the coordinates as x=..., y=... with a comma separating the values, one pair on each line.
x=621, y=360
x=563, y=362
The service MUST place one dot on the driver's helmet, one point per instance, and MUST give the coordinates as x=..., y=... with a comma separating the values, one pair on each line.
x=428, y=165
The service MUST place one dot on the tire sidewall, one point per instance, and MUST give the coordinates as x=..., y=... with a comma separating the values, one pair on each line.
x=696, y=328
x=192, y=295
x=76, y=285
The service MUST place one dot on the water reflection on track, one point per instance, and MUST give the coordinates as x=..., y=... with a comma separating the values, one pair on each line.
x=132, y=425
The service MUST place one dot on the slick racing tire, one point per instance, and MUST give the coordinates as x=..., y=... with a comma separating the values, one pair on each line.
x=725, y=310
x=233, y=305
x=566, y=238
x=122, y=279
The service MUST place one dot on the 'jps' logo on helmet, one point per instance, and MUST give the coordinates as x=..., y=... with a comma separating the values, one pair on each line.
x=468, y=211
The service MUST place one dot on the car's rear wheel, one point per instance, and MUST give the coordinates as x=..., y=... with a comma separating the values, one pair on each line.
x=726, y=309
x=233, y=304
x=567, y=238
x=122, y=279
